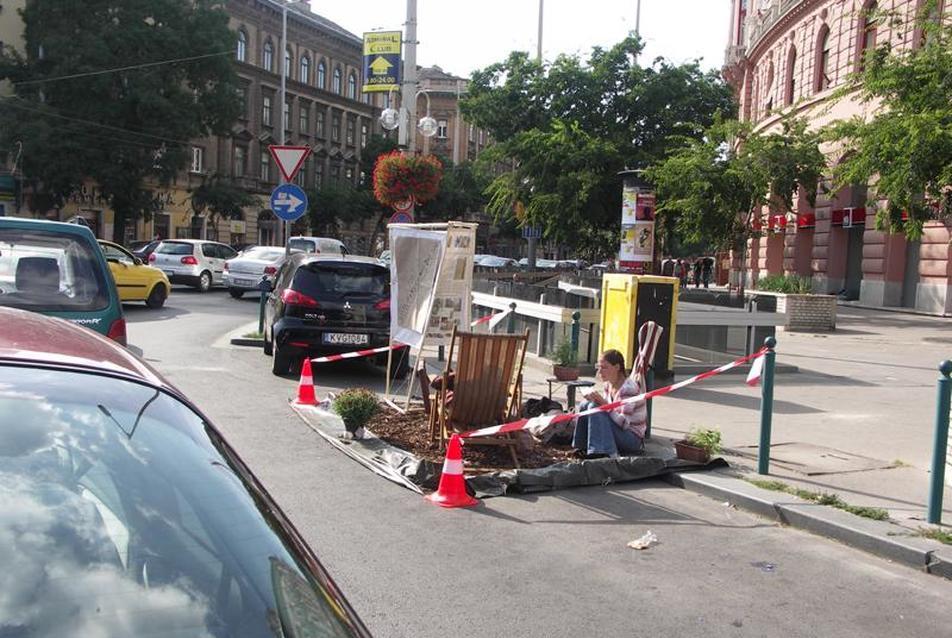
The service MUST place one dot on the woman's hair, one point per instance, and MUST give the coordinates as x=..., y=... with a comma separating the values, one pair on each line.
x=614, y=358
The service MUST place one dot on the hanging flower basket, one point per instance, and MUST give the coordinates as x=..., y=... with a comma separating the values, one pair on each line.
x=399, y=177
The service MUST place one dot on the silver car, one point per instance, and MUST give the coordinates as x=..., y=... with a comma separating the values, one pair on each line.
x=318, y=245
x=195, y=262
x=245, y=272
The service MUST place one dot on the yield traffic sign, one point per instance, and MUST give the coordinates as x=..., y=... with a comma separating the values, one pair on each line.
x=288, y=201
x=289, y=159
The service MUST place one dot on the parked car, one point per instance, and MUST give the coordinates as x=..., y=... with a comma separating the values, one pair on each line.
x=57, y=269
x=134, y=280
x=126, y=513
x=491, y=262
x=385, y=258
x=196, y=262
x=243, y=273
x=317, y=245
x=326, y=304
x=142, y=249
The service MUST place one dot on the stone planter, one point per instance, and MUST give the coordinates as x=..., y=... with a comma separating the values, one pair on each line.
x=804, y=313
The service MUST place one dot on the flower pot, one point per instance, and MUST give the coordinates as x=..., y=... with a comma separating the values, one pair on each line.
x=565, y=373
x=688, y=452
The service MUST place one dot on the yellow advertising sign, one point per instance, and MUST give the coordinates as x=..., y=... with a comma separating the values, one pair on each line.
x=382, y=60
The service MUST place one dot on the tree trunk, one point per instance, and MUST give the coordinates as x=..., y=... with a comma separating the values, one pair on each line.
x=119, y=225
x=373, y=235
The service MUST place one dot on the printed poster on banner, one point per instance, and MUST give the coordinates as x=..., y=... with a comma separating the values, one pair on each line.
x=629, y=200
x=416, y=257
x=637, y=242
x=451, y=305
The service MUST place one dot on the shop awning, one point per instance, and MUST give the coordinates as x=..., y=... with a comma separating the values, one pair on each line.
x=806, y=220
x=848, y=217
x=777, y=223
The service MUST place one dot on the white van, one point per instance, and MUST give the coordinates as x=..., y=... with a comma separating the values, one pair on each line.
x=318, y=245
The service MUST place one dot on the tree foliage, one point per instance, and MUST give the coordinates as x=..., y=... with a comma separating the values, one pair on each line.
x=906, y=146
x=565, y=130
x=220, y=197
x=124, y=128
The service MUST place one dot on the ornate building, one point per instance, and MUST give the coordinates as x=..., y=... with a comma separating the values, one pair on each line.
x=790, y=56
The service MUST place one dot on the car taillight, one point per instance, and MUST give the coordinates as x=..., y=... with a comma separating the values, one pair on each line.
x=151, y=258
x=117, y=331
x=382, y=305
x=270, y=270
x=188, y=260
x=294, y=298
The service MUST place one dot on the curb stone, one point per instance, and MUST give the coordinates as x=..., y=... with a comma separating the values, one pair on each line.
x=881, y=538
x=241, y=341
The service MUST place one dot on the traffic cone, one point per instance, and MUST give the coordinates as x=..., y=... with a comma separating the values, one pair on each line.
x=452, y=489
x=305, y=394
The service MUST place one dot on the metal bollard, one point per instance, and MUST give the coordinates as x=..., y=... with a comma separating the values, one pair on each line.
x=512, y=318
x=940, y=442
x=649, y=385
x=766, y=406
x=265, y=287
x=575, y=330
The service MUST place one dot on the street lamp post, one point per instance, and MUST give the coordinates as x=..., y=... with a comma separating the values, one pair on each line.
x=391, y=119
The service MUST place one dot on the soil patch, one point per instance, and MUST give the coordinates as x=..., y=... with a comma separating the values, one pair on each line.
x=410, y=432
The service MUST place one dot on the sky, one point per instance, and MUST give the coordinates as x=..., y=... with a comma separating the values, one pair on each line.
x=461, y=36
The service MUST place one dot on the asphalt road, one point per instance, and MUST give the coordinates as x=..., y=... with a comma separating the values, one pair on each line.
x=554, y=564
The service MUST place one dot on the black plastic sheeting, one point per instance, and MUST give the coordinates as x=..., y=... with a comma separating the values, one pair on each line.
x=370, y=451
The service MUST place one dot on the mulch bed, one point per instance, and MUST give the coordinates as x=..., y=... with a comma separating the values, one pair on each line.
x=410, y=432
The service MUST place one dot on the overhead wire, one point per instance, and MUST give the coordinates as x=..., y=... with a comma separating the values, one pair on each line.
x=131, y=67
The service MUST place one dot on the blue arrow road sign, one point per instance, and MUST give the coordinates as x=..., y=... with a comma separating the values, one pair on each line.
x=289, y=202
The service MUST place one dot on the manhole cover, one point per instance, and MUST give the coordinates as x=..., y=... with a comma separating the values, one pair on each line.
x=812, y=460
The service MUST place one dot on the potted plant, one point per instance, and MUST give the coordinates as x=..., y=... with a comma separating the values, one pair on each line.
x=564, y=361
x=356, y=406
x=699, y=446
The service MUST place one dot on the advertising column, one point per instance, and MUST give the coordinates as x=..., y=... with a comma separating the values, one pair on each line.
x=636, y=253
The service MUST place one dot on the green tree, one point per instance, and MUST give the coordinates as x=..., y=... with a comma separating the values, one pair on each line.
x=715, y=187
x=124, y=129
x=221, y=197
x=461, y=191
x=568, y=128
x=906, y=147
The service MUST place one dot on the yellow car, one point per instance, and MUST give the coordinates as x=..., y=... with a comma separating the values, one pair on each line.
x=134, y=280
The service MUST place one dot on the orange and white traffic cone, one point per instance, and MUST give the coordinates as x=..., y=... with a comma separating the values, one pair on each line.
x=452, y=489
x=305, y=395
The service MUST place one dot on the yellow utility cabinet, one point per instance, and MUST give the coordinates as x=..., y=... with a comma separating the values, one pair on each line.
x=628, y=301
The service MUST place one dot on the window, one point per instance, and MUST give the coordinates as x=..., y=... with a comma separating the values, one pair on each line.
x=867, y=34
x=791, y=78
x=287, y=115
x=349, y=174
x=265, y=165
x=266, y=110
x=769, y=90
x=321, y=75
x=363, y=136
x=241, y=52
x=198, y=154
x=301, y=178
x=823, y=60
x=335, y=173
x=441, y=129
x=319, y=123
x=305, y=74
x=352, y=87
x=287, y=63
x=240, y=161
x=335, y=128
x=386, y=100
x=335, y=84
x=304, y=119
x=267, y=56
x=318, y=173
x=472, y=133
x=242, y=92
x=350, y=131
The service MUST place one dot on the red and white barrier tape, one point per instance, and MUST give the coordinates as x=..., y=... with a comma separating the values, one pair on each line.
x=543, y=422
x=493, y=319
x=358, y=353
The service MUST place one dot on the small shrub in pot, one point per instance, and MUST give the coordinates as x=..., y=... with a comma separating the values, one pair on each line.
x=356, y=406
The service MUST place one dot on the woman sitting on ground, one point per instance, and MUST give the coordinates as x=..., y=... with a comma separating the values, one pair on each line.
x=617, y=431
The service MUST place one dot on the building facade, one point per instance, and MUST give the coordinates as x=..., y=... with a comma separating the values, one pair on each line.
x=789, y=56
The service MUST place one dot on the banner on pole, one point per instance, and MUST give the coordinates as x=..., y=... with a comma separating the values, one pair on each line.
x=416, y=257
x=452, y=302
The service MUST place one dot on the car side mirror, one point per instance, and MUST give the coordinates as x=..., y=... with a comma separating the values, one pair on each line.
x=137, y=261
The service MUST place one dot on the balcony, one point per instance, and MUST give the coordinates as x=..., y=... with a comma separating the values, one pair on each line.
x=760, y=23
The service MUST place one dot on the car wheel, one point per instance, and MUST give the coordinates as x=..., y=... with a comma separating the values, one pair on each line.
x=280, y=362
x=157, y=297
x=205, y=281
x=236, y=293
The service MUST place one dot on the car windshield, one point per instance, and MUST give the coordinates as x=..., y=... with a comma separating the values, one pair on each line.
x=124, y=515
x=329, y=280
x=264, y=253
x=49, y=271
x=174, y=248
x=304, y=245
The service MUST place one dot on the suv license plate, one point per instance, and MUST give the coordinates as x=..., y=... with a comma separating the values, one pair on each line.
x=341, y=338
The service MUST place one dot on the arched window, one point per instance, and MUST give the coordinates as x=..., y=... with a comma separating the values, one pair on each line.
x=305, y=75
x=791, y=88
x=822, y=80
x=352, y=87
x=768, y=92
x=869, y=25
x=267, y=56
x=241, y=52
x=287, y=63
x=336, y=82
x=321, y=75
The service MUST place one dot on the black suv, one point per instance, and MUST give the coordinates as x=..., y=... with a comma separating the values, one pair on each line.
x=328, y=304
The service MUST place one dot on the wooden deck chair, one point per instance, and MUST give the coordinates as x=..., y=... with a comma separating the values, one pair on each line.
x=487, y=388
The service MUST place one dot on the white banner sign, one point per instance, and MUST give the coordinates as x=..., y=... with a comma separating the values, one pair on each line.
x=451, y=306
x=415, y=259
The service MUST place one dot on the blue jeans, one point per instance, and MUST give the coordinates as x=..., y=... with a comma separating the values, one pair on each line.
x=599, y=434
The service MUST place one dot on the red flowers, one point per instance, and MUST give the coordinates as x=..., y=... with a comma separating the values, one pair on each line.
x=398, y=177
